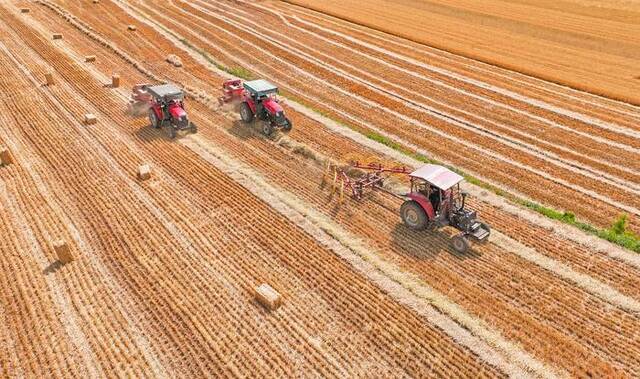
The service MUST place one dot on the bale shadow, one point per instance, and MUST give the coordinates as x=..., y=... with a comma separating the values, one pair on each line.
x=53, y=267
x=426, y=244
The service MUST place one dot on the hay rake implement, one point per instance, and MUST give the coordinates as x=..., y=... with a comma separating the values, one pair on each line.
x=435, y=199
x=373, y=178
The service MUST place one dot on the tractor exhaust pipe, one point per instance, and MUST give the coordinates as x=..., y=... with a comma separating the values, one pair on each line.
x=464, y=198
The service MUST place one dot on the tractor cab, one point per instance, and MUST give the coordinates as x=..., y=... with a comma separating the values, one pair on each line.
x=259, y=89
x=436, y=200
x=435, y=188
x=166, y=106
x=429, y=191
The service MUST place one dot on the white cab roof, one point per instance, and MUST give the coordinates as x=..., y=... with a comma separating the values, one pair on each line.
x=439, y=176
x=260, y=86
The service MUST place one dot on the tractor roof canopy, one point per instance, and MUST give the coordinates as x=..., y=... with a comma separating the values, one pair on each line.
x=166, y=92
x=260, y=87
x=439, y=176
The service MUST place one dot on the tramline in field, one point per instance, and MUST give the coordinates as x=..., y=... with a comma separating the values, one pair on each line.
x=435, y=200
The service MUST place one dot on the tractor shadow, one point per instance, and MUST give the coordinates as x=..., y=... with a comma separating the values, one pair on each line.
x=53, y=267
x=426, y=244
x=149, y=134
x=244, y=131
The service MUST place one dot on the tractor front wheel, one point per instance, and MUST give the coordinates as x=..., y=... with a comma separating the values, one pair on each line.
x=153, y=119
x=460, y=243
x=287, y=125
x=246, y=113
x=267, y=129
x=172, y=132
x=413, y=215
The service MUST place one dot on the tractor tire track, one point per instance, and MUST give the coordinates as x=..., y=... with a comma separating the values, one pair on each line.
x=447, y=116
x=599, y=107
x=167, y=153
x=627, y=207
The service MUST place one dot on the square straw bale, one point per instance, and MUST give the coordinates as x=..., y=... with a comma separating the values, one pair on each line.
x=144, y=172
x=5, y=156
x=62, y=250
x=268, y=297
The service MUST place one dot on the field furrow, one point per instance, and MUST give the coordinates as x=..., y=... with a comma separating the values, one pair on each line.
x=254, y=254
x=264, y=158
x=405, y=132
x=559, y=96
x=165, y=269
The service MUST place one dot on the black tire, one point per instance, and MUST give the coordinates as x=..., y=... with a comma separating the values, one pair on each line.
x=413, y=215
x=153, y=119
x=245, y=113
x=267, y=129
x=460, y=243
x=287, y=125
x=172, y=132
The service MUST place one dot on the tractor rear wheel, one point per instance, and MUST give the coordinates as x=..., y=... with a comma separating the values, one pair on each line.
x=413, y=215
x=246, y=113
x=460, y=243
x=153, y=119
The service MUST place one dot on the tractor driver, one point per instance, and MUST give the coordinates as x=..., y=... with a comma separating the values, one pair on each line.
x=257, y=99
x=434, y=197
x=432, y=193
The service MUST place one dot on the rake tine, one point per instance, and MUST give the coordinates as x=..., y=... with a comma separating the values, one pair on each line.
x=335, y=180
x=325, y=174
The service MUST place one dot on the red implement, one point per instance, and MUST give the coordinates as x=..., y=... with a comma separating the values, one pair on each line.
x=232, y=91
x=372, y=179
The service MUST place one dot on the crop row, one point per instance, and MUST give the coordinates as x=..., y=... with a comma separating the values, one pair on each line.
x=264, y=158
x=171, y=257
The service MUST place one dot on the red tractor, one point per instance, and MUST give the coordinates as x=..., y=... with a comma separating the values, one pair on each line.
x=165, y=104
x=257, y=100
x=434, y=201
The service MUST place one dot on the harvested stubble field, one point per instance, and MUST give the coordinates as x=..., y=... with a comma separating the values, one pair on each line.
x=589, y=45
x=165, y=269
